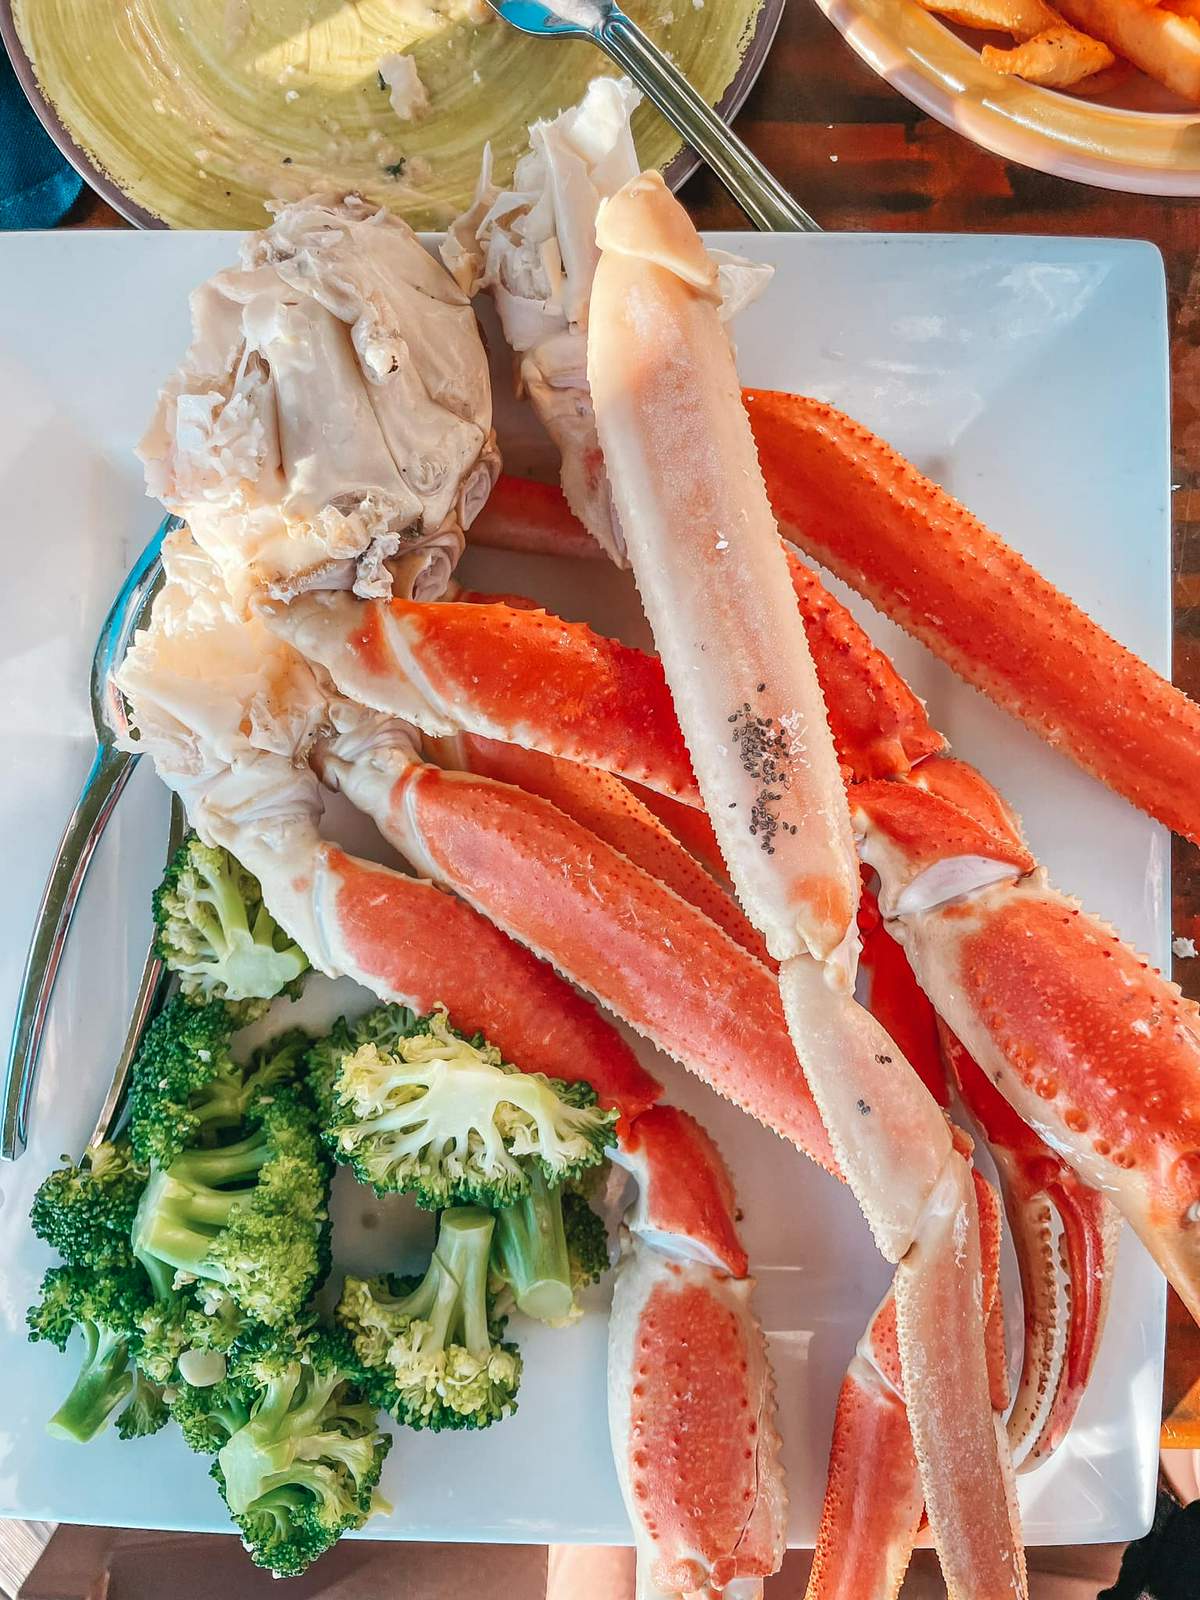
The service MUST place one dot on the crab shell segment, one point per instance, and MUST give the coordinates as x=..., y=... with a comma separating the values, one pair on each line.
x=874, y=1505
x=860, y=509
x=697, y=524
x=607, y=807
x=501, y=671
x=685, y=1201
x=1091, y=1047
x=1044, y=1196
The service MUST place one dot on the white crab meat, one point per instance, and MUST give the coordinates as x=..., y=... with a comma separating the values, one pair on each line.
x=533, y=249
x=333, y=410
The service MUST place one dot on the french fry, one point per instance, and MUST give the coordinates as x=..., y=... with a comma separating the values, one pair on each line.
x=1024, y=19
x=1057, y=59
x=1162, y=43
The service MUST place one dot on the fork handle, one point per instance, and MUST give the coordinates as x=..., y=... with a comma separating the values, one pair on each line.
x=764, y=200
x=151, y=994
x=102, y=787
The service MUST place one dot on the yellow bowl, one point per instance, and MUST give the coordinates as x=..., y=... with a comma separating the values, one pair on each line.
x=196, y=113
x=1116, y=146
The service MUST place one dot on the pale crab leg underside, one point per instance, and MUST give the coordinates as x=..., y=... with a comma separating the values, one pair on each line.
x=874, y=1506
x=715, y=588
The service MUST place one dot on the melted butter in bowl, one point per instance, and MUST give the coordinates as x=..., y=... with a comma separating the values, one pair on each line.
x=202, y=111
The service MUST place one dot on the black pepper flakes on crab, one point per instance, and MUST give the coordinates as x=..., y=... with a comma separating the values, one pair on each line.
x=762, y=748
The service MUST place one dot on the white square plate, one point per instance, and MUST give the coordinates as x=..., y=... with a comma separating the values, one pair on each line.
x=1027, y=375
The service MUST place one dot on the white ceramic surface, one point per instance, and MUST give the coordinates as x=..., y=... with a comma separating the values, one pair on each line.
x=1028, y=375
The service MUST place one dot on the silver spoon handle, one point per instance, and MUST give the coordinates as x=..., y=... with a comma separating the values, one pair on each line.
x=102, y=787
x=764, y=200
x=151, y=993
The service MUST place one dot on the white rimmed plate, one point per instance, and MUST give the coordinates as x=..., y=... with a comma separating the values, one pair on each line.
x=1027, y=375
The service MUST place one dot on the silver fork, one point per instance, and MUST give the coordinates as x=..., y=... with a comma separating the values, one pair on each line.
x=764, y=200
x=147, y=1002
x=109, y=772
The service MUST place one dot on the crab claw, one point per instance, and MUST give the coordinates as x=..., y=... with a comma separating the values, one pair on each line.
x=691, y=1396
x=685, y=1201
x=1039, y=1187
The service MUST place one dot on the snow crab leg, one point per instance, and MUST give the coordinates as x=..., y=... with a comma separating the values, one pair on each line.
x=1042, y=1195
x=860, y=509
x=714, y=584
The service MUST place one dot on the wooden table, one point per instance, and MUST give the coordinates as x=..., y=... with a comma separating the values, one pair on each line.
x=859, y=156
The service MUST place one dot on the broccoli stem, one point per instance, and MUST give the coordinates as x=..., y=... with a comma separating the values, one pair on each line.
x=223, y=896
x=183, y=1209
x=531, y=1252
x=452, y=1296
x=104, y=1381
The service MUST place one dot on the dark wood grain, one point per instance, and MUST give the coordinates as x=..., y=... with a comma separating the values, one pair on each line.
x=860, y=157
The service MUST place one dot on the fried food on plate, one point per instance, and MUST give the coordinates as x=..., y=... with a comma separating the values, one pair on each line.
x=1057, y=59
x=1164, y=44
x=1022, y=18
x=1070, y=45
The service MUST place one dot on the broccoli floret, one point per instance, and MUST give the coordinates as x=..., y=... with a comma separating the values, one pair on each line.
x=197, y=1318
x=188, y=1090
x=146, y=1412
x=209, y=1415
x=303, y=1466
x=413, y=1105
x=105, y=1307
x=432, y=1344
x=547, y=1246
x=172, y=1101
x=248, y=1217
x=214, y=930
x=587, y=1240
x=86, y=1211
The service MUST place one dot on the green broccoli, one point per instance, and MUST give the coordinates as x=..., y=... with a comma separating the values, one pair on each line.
x=432, y=1345
x=105, y=1307
x=248, y=1217
x=193, y=1320
x=587, y=1240
x=413, y=1105
x=188, y=1090
x=214, y=930
x=185, y=1048
x=302, y=1467
x=146, y=1412
x=547, y=1246
x=86, y=1211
